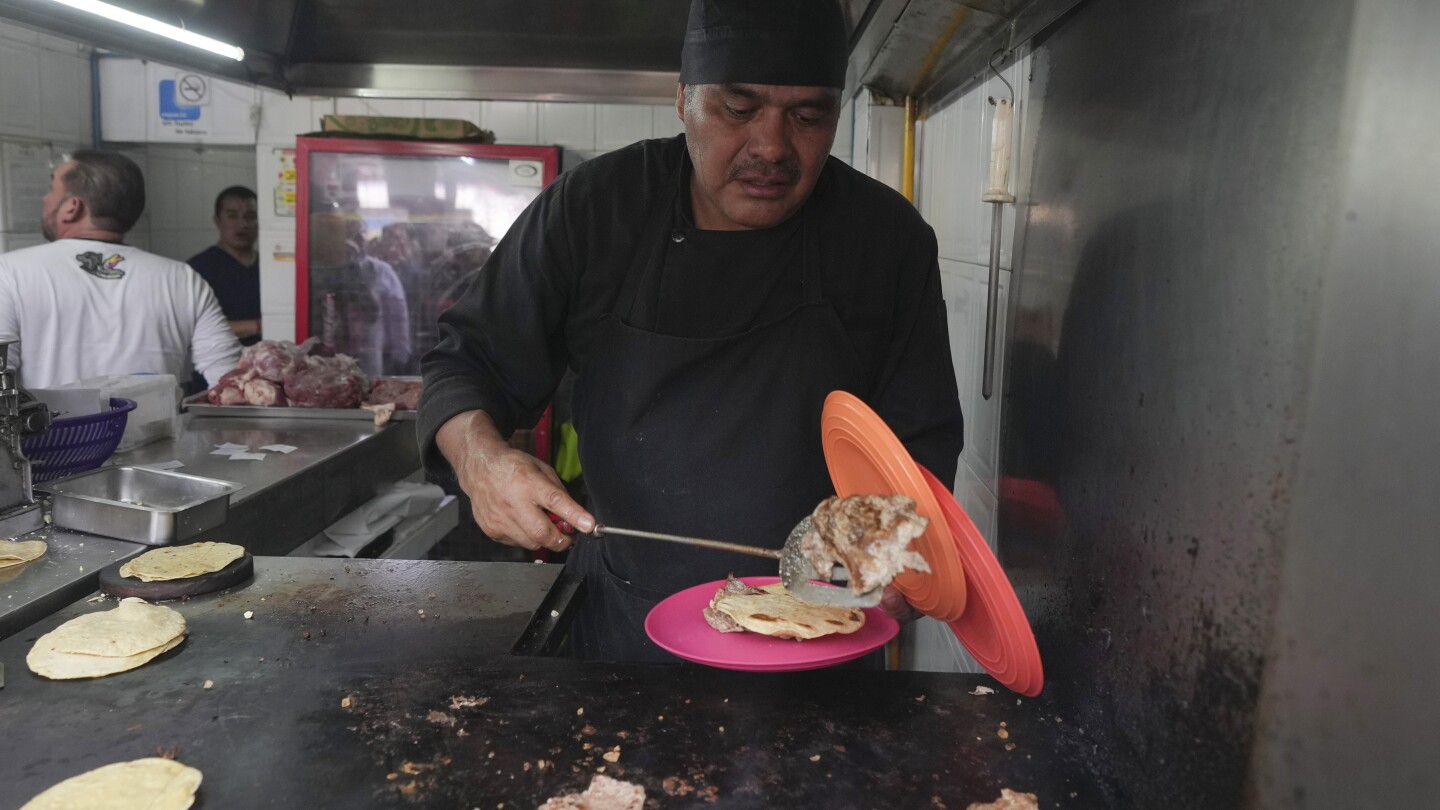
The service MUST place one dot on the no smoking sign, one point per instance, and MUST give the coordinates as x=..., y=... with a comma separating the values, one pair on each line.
x=192, y=90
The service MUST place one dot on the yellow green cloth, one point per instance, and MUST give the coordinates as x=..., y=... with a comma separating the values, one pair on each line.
x=567, y=455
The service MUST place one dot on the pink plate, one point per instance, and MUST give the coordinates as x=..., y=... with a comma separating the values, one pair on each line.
x=678, y=625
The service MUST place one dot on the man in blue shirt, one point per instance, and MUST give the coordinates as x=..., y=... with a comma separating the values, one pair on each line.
x=232, y=264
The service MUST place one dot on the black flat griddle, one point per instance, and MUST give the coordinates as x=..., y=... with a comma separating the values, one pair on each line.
x=438, y=701
x=237, y=572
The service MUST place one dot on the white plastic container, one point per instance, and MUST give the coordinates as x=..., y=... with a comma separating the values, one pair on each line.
x=157, y=405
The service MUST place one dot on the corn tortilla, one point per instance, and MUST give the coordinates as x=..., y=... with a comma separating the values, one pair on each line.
x=107, y=642
x=19, y=552
x=776, y=612
x=142, y=784
x=48, y=662
x=181, y=562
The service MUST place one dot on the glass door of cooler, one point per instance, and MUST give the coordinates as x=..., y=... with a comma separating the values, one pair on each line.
x=391, y=232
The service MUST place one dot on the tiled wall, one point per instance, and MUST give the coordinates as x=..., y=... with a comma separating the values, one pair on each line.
x=45, y=102
x=180, y=187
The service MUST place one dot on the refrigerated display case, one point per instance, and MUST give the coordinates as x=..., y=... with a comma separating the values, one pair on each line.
x=390, y=232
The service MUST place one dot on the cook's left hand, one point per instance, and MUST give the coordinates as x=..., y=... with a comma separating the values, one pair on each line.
x=896, y=607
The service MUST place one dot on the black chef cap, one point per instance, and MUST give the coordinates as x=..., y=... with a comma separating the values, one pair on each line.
x=796, y=42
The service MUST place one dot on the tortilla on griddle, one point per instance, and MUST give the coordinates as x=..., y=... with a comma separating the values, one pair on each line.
x=152, y=783
x=19, y=552
x=107, y=642
x=181, y=562
x=773, y=611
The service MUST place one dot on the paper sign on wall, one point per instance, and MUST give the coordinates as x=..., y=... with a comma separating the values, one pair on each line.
x=25, y=169
x=285, y=188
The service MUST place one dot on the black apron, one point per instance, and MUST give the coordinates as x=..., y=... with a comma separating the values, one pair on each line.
x=708, y=437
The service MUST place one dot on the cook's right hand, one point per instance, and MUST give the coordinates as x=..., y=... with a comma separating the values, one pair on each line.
x=510, y=490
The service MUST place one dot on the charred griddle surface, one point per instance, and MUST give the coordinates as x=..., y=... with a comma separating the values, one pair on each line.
x=389, y=684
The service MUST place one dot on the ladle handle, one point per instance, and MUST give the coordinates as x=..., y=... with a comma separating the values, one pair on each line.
x=718, y=545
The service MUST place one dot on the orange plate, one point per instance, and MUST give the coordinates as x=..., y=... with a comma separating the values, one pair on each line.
x=865, y=458
x=994, y=628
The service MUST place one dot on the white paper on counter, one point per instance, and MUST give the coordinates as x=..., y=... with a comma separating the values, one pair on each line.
x=174, y=464
x=247, y=456
x=280, y=448
x=348, y=535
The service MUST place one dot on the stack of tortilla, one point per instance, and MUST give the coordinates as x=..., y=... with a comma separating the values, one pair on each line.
x=19, y=552
x=773, y=611
x=107, y=642
x=142, y=784
x=181, y=562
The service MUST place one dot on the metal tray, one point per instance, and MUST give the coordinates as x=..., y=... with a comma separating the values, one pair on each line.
x=154, y=507
x=197, y=405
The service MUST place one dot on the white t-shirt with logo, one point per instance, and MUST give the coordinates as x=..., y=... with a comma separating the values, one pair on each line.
x=84, y=308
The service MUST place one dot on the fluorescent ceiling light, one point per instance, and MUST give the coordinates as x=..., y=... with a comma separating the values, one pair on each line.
x=154, y=26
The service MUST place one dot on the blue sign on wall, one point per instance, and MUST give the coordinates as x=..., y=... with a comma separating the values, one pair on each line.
x=170, y=107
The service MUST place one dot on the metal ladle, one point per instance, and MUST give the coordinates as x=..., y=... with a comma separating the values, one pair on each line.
x=796, y=572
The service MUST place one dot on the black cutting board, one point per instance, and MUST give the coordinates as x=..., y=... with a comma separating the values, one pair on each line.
x=112, y=584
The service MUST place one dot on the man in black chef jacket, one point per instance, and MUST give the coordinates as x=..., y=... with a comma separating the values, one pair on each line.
x=710, y=290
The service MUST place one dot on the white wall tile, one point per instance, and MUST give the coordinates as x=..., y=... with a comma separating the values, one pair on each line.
x=54, y=43
x=282, y=117
x=887, y=135
x=85, y=115
x=844, y=134
x=277, y=286
x=619, y=125
x=387, y=107
x=277, y=275
x=664, y=122
x=279, y=326
x=463, y=110
x=960, y=292
x=122, y=100
x=64, y=79
x=568, y=125
x=193, y=202
x=19, y=89
x=319, y=108
x=16, y=241
x=514, y=122
x=162, y=197
x=17, y=33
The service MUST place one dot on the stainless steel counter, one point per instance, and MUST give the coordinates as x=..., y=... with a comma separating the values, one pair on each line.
x=317, y=442
x=285, y=498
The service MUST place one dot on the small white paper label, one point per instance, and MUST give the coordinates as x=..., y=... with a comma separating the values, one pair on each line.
x=280, y=448
x=529, y=173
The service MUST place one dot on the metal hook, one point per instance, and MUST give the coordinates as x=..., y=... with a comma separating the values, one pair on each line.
x=1001, y=52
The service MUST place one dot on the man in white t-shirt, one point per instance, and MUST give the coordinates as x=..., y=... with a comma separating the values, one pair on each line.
x=87, y=305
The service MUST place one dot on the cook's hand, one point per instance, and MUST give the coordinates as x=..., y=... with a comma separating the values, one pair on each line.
x=510, y=490
x=896, y=607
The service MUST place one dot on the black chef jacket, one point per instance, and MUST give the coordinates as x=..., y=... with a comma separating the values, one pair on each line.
x=536, y=307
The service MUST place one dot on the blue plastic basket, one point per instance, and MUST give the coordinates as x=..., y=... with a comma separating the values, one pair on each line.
x=77, y=444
